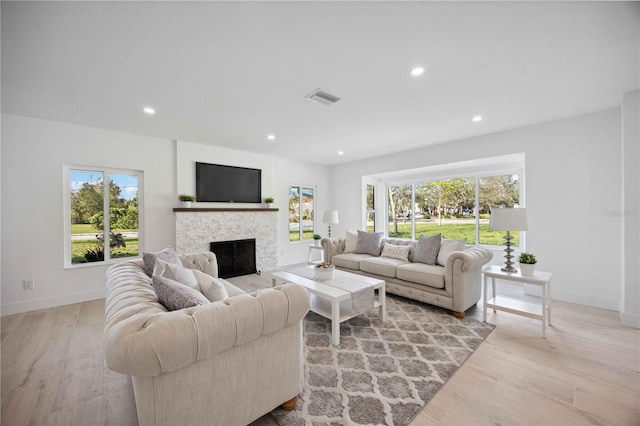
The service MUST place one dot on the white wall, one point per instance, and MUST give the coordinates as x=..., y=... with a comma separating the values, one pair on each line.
x=277, y=175
x=573, y=180
x=630, y=306
x=33, y=154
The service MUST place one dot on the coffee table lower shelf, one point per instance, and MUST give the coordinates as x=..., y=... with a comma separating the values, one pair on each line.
x=332, y=302
x=323, y=307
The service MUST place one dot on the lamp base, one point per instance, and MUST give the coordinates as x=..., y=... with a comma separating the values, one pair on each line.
x=508, y=265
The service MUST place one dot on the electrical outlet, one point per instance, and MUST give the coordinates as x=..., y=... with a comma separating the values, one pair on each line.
x=28, y=284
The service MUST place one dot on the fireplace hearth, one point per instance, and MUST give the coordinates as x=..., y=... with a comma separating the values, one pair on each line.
x=235, y=257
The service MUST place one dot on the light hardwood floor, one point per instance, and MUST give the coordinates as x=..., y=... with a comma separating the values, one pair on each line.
x=586, y=372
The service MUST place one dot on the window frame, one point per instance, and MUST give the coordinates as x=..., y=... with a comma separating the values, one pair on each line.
x=301, y=228
x=66, y=193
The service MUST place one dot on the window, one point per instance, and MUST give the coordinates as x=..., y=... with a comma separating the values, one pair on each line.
x=90, y=192
x=457, y=208
x=301, y=213
x=371, y=208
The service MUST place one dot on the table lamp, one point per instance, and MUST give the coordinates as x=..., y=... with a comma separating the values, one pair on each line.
x=508, y=219
x=330, y=216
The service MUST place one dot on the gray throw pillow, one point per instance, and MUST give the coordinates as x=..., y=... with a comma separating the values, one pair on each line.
x=369, y=243
x=168, y=255
x=427, y=249
x=174, y=295
x=447, y=247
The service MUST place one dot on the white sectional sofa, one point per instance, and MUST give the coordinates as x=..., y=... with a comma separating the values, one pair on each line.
x=225, y=363
x=454, y=284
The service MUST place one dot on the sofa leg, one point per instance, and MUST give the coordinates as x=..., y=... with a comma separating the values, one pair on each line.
x=290, y=404
x=459, y=315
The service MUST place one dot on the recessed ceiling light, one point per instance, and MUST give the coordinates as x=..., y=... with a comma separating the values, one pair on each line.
x=417, y=71
x=340, y=152
x=271, y=137
x=149, y=110
x=477, y=118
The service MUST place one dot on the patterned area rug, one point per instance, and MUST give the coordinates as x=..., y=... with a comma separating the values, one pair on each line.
x=382, y=372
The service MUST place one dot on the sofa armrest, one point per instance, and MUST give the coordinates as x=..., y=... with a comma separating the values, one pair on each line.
x=206, y=262
x=469, y=259
x=462, y=276
x=332, y=246
x=142, y=339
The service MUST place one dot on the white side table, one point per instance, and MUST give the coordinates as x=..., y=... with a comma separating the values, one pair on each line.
x=314, y=248
x=515, y=306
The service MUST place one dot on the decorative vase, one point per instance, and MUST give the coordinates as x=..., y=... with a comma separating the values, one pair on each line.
x=527, y=269
x=324, y=273
x=186, y=204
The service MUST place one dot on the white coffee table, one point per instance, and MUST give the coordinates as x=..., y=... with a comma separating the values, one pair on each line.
x=332, y=302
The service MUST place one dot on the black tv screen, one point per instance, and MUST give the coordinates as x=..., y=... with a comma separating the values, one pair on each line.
x=228, y=184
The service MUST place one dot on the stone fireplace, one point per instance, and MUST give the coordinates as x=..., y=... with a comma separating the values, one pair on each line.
x=196, y=228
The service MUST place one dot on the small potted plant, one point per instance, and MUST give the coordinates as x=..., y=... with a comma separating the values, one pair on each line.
x=186, y=200
x=268, y=201
x=316, y=239
x=324, y=271
x=527, y=263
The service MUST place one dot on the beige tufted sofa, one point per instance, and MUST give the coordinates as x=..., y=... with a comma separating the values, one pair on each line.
x=455, y=286
x=224, y=363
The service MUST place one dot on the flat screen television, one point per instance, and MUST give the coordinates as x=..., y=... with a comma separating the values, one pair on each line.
x=228, y=184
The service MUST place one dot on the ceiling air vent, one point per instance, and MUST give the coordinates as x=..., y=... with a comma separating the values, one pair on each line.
x=323, y=97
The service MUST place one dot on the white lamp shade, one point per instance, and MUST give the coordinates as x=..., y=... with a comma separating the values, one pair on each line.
x=508, y=220
x=330, y=216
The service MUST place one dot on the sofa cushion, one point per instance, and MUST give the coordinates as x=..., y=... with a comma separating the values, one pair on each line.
x=384, y=266
x=447, y=247
x=369, y=243
x=175, y=296
x=396, y=252
x=349, y=260
x=212, y=288
x=427, y=249
x=350, y=241
x=168, y=255
x=430, y=275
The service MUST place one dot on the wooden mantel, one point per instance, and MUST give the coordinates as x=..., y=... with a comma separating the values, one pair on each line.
x=223, y=209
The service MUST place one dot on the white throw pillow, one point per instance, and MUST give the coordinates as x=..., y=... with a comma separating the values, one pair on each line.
x=177, y=273
x=350, y=241
x=447, y=247
x=211, y=287
x=396, y=252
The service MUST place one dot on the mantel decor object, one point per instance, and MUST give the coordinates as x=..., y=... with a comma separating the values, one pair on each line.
x=508, y=219
x=186, y=200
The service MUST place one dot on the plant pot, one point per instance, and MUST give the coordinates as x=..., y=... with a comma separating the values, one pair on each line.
x=324, y=273
x=268, y=205
x=316, y=242
x=527, y=269
x=186, y=204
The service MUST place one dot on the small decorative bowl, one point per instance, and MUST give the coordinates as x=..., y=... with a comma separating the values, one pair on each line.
x=324, y=273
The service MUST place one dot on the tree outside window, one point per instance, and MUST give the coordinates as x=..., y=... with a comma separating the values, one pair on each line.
x=457, y=208
x=94, y=238
x=371, y=208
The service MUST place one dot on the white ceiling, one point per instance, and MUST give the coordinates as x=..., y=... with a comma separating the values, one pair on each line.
x=229, y=73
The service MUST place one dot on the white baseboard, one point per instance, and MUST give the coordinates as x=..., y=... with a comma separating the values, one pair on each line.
x=51, y=302
x=632, y=320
